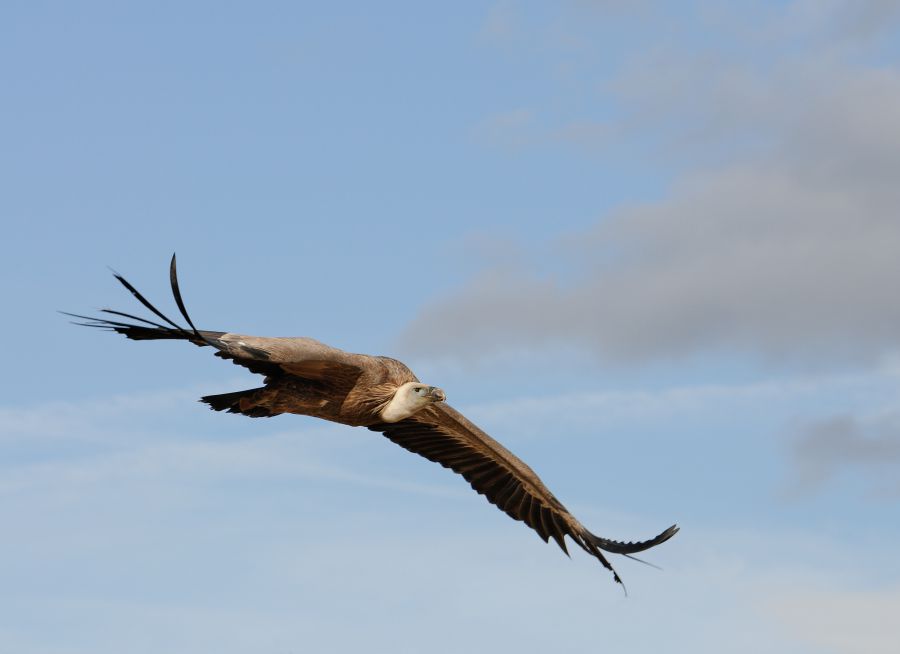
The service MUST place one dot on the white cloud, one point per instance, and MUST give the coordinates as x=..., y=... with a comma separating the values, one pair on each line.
x=74, y=420
x=780, y=244
x=842, y=621
x=194, y=582
x=108, y=444
x=221, y=544
x=600, y=407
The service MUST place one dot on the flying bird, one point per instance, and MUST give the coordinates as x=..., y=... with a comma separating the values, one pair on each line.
x=306, y=377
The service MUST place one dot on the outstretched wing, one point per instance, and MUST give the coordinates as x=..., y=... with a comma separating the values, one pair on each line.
x=302, y=357
x=442, y=434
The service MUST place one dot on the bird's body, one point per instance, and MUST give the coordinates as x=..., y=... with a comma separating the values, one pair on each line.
x=304, y=376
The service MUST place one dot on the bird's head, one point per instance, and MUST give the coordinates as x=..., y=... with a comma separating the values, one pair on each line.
x=411, y=398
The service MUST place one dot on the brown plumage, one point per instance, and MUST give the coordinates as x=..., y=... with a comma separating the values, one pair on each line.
x=306, y=377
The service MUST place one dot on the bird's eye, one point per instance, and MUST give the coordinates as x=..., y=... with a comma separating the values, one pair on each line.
x=418, y=389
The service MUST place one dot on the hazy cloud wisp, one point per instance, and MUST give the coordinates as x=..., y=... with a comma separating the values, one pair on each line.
x=843, y=443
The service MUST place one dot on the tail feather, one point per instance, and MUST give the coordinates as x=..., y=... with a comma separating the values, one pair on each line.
x=231, y=402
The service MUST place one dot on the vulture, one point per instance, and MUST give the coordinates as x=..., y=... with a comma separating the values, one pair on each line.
x=307, y=377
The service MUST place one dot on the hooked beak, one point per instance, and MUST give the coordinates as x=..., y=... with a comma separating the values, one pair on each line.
x=436, y=394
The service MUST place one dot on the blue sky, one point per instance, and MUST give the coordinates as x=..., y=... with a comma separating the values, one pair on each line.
x=649, y=246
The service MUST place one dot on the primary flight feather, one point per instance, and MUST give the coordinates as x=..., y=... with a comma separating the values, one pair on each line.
x=306, y=377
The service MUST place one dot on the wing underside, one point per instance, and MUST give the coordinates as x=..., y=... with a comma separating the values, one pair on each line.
x=443, y=435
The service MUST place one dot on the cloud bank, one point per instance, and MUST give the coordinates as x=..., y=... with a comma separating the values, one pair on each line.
x=780, y=242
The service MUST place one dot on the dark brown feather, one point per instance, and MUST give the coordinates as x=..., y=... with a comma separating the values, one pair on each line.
x=443, y=435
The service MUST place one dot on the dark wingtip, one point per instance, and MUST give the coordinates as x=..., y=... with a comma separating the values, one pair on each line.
x=140, y=298
x=176, y=292
x=92, y=322
x=668, y=533
x=617, y=547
